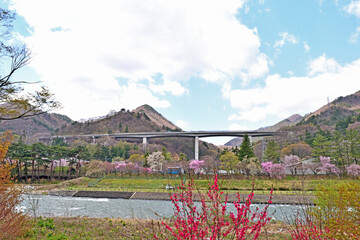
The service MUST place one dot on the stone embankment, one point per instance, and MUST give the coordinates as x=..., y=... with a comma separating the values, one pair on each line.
x=258, y=198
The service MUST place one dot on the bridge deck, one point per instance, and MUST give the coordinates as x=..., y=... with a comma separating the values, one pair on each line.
x=200, y=134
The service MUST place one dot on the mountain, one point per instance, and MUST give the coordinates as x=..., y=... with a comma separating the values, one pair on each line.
x=156, y=118
x=293, y=119
x=142, y=119
x=31, y=128
x=340, y=114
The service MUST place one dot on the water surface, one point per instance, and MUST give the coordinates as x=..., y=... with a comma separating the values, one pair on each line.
x=49, y=206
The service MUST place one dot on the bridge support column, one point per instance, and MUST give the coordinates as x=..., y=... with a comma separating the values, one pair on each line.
x=144, y=144
x=93, y=140
x=196, y=148
x=262, y=149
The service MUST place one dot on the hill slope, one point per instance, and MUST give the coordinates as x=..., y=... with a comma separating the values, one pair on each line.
x=31, y=128
x=156, y=118
x=339, y=115
x=142, y=119
x=284, y=123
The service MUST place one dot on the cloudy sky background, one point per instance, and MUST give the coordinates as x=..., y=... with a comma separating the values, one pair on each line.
x=205, y=65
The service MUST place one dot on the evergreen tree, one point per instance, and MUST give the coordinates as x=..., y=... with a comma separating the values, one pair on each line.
x=245, y=149
x=321, y=146
x=126, y=128
x=272, y=152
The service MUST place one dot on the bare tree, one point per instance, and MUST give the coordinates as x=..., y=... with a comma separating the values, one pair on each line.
x=14, y=102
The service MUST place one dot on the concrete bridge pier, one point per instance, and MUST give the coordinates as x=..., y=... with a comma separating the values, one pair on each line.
x=144, y=144
x=263, y=146
x=196, y=148
x=93, y=140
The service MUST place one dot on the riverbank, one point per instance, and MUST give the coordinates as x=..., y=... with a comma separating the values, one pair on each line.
x=258, y=198
x=115, y=228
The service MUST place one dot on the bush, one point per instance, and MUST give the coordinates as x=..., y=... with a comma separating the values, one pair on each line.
x=11, y=221
x=211, y=220
x=336, y=215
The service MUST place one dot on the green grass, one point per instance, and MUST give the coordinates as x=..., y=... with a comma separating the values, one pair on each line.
x=291, y=185
x=63, y=228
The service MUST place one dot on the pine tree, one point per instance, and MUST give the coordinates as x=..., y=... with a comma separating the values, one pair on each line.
x=272, y=152
x=245, y=149
x=321, y=146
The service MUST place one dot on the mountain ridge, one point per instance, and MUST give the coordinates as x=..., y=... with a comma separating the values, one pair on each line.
x=293, y=119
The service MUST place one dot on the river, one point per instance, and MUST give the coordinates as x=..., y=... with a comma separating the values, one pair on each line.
x=48, y=206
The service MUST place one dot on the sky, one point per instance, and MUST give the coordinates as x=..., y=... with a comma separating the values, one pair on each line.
x=203, y=64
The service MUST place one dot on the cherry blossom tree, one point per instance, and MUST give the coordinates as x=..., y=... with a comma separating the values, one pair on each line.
x=327, y=167
x=291, y=162
x=156, y=161
x=121, y=167
x=275, y=170
x=266, y=166
x=196, y=166
x=353, y=170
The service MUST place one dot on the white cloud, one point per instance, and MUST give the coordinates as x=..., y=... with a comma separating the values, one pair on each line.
x=353, y=8
x=81, y=48
x=284, y=96
x=232, y=117
x=285, y=38
x=182, y=124
x=323, y=64
x=173, y=87
x=306, y=47
x=354, y=36
x=237, y=127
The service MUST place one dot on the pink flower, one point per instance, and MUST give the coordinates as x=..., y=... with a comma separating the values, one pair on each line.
x=353, y=170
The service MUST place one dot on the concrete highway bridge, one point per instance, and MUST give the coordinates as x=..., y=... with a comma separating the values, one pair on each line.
x=147, y=135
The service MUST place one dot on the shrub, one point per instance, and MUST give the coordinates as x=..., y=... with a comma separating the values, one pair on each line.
x=336, y=215
x=211, y=220
x=11, y=221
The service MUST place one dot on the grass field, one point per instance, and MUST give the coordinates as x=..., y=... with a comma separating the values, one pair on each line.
x=62, y=228
x=290, y=185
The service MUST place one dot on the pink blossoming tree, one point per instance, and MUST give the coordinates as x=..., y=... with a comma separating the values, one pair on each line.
x=210, y=219
x=275, y=170
x=353, y=170
x=327, y=167
x=291, y=162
